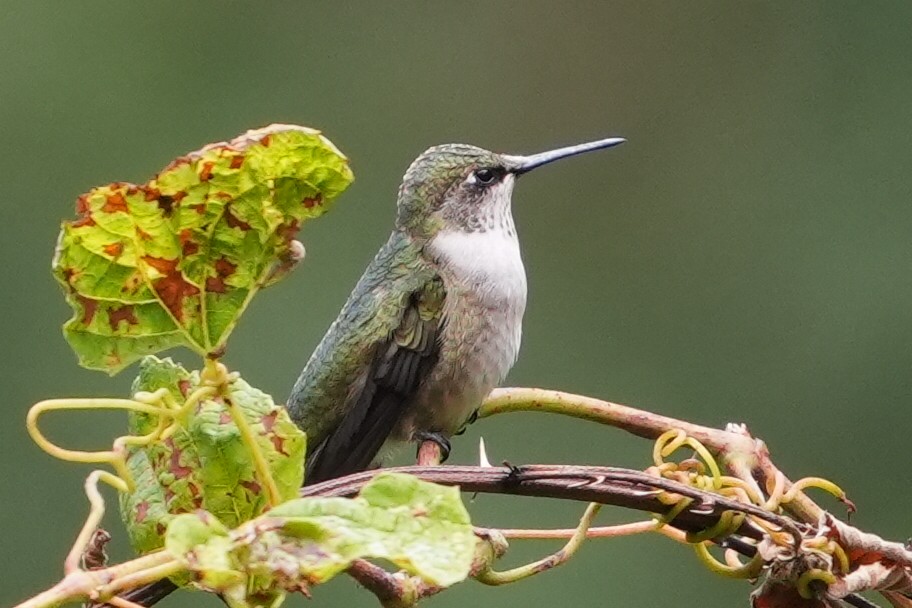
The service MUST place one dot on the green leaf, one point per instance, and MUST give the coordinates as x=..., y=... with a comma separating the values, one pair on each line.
x=419, y=526
x=205, y=464
x=204, y=542
x=175, y=261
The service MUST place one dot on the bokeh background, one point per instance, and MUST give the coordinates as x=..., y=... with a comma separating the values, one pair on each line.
x=746, y=257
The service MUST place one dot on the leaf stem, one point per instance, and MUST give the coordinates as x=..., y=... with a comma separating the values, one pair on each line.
x=746, y=457
x=749, y=570
x=114, y=457
x=99, y=585
x=254, y=289
x=96, y=513
x=143, y=269
x=215, y=375
x=639, y=422
x=493, y=577
x=259, y=460
x=636, y=527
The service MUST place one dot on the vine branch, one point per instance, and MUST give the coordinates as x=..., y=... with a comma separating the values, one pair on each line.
x=742, y=504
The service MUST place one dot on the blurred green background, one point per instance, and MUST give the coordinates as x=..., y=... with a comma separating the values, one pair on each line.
x=744, y=258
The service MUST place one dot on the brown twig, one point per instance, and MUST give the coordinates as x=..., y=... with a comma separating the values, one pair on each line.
x=396, y=590
x=744, y=456
x=604, y=485
x=387, y=588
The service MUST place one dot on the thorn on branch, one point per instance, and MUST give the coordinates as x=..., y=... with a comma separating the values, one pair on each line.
x=483, y=454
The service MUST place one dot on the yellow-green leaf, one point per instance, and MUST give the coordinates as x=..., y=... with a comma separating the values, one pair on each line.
x=204, y=464
x=421, y=527
x=175, y=261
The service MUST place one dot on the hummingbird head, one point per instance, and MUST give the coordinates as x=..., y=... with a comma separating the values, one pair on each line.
x=464, y=188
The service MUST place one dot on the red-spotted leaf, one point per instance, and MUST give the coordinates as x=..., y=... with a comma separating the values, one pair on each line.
x=420, y=527
x=204, y=463
x=175, y=261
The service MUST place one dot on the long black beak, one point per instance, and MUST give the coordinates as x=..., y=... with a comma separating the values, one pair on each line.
x=524, y=164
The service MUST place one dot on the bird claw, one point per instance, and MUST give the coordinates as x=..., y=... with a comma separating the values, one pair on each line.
x=470, y=420
x=439, y=438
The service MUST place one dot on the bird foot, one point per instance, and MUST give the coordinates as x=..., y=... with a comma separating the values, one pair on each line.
x=438, y=439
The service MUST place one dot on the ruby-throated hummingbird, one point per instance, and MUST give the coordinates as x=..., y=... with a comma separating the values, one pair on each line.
x=435, y=322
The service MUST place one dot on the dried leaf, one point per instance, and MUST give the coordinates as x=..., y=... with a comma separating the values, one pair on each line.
x=774, y=594
x=877, y=564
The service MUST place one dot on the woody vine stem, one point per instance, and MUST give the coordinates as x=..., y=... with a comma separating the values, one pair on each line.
x=729, y=495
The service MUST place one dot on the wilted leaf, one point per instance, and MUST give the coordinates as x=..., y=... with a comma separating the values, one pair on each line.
x=876, y=564
x=176, y=260
x=205, y=464
x=421, y=527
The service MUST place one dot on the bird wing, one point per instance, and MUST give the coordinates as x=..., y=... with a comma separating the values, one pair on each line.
x=374, y=357
x=399, y=365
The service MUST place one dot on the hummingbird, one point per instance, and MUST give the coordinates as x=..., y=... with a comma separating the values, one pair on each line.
x=435, y=322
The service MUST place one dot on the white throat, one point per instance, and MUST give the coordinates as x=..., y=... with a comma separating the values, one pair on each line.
x=487, y=262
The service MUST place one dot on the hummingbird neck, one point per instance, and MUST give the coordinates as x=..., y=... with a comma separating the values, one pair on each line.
x=486, y=263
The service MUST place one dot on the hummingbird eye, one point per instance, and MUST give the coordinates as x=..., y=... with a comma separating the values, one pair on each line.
x=485, y=176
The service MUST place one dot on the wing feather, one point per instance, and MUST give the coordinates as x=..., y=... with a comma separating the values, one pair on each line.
x=398, y=368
